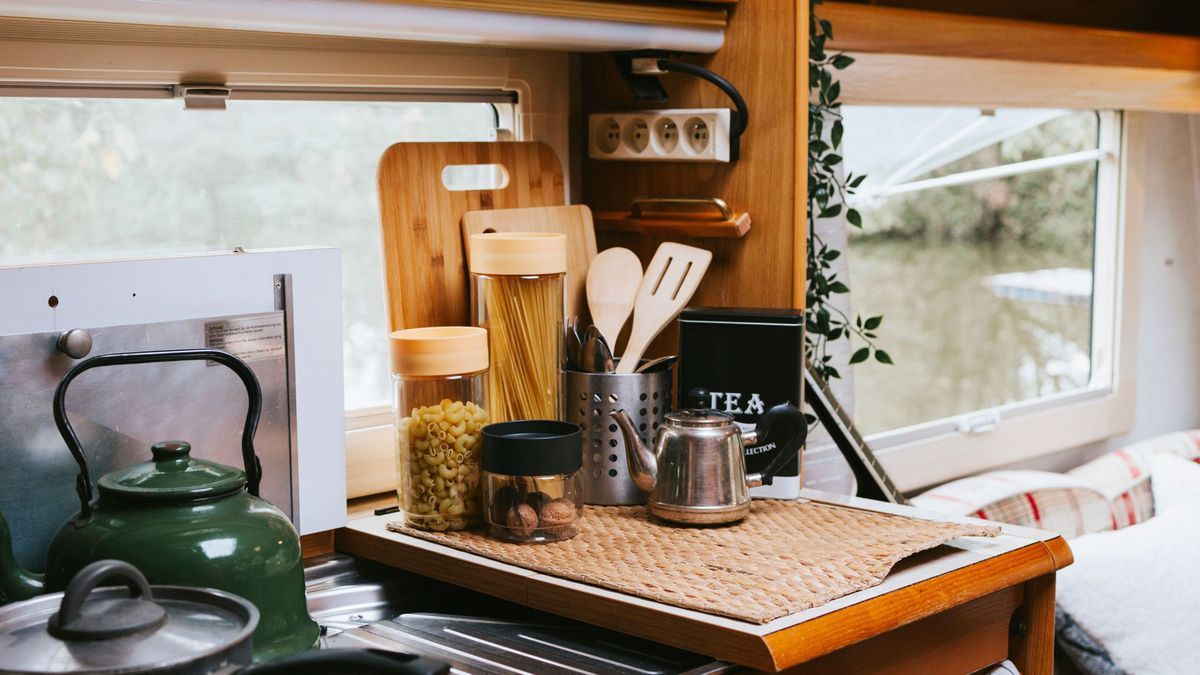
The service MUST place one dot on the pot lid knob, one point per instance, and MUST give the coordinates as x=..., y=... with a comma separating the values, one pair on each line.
x=78, y=619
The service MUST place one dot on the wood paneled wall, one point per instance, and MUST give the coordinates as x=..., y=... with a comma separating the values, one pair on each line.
x=760, y=57
x=1180, y=17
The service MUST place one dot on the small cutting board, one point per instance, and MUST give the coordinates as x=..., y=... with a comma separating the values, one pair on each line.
x=424, y=262
x=573, y=221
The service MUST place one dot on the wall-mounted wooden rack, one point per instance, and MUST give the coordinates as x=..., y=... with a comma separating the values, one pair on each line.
x=684, y=216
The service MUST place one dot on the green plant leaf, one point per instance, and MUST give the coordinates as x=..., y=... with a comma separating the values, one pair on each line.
x=873, y=322
x=830, y=256
x=831, y=159
x=830, y=211
x=835, y=134
x=838, y=287
x=860, y=355
x=882, y=357
x=854, y=217
x=835, y=90
x=857, y=181
x=841, y=61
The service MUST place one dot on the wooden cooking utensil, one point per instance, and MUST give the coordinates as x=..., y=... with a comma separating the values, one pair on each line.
x=573, y=221
x=424, y=263
x=612, y=286
x=671, y=278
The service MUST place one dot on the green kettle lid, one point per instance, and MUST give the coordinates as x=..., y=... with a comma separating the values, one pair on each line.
x=173, y=475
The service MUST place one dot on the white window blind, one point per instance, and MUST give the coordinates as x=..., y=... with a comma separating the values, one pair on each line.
x=568, y=25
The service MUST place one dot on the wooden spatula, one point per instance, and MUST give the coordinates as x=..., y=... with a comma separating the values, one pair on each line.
x=671, y=278
x=612, y=285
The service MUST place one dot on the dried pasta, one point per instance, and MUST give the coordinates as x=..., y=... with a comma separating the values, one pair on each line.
x=524, y=317
x=439, y=465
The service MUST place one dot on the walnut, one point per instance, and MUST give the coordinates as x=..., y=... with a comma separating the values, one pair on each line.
x=537, y=500
x=557, y=515
x=504, y=499
x=522, y=520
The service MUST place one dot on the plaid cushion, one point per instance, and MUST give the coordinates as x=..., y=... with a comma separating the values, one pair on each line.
x=1040, y=499
x=1124, y=475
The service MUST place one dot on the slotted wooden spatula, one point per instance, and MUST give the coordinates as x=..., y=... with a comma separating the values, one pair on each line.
x=671, y=278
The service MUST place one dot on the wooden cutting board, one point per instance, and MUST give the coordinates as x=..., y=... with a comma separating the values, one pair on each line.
x=573, y=221
x=423, y=257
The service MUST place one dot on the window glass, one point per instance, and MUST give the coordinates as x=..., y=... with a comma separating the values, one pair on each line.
x=95, y=178
x=983, y=270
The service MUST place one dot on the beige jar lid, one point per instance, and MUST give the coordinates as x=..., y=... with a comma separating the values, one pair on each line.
x=513, y=253
x=439, y=351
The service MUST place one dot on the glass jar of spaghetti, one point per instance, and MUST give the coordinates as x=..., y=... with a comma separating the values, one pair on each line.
x=517, y=295
x=440, y=409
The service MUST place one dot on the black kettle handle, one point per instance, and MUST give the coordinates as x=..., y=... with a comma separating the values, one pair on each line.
x=83, y=484
x=792, y=414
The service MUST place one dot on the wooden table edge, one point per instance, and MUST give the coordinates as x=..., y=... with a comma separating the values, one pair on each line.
x=854, y=623
x=776, y=651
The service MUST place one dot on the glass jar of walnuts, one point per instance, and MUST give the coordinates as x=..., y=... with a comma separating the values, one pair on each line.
x=440, y=412
x=531, y=486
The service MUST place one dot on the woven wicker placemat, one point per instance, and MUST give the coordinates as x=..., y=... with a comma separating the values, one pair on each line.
x=785, y=557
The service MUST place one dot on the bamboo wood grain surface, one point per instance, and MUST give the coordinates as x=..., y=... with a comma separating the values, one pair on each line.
x=424, y=260
x=573, y=221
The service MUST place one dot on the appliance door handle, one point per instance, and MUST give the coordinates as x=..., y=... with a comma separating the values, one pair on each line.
x=83, y=483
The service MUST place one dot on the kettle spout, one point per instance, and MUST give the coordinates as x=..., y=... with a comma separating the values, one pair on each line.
x=643, y=465
x=16, y=583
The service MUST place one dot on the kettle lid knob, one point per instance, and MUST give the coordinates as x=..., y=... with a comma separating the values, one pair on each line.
x=170, y=450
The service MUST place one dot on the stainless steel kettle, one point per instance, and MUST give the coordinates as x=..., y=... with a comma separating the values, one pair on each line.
x=696, y=472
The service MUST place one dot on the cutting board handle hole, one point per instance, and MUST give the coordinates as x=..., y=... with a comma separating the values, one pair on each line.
x=463, y=177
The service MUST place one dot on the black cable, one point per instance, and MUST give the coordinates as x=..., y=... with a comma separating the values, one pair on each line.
x=743, y=113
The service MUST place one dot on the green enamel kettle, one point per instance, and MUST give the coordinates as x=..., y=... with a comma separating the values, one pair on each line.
x=180, y=520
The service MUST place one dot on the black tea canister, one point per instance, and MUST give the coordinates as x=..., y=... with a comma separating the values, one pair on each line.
x=742, y=361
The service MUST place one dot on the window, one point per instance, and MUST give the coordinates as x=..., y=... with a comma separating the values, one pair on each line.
x=990, y=245
x=93, y=178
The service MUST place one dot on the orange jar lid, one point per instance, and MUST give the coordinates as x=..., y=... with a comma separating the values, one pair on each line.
x=439, y=351
x=516, y=253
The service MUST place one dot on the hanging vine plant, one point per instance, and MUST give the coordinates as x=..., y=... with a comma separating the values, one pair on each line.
x=827, y=194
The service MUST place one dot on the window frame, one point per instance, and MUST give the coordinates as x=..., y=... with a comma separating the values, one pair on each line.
x=80, y=59
x=932, y=452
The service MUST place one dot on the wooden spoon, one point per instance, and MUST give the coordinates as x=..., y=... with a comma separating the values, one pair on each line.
x=671, y=279
x=612, y=285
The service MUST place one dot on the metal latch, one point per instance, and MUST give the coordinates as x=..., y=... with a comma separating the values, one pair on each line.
x=980, y=422
x=202, y=96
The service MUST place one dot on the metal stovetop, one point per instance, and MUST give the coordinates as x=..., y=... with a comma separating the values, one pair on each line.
x=362, y=604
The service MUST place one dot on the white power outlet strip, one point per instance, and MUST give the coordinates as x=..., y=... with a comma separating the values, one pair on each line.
x=695, y=135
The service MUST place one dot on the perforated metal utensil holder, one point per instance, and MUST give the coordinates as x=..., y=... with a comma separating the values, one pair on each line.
x=646, y=397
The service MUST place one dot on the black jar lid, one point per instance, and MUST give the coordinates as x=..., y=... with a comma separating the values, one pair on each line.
x=532, y=448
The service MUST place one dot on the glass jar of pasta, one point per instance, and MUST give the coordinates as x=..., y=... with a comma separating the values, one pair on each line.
x=517, y=295
x=440, y=410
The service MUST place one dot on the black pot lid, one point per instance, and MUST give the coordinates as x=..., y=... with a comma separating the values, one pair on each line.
x=128, y=629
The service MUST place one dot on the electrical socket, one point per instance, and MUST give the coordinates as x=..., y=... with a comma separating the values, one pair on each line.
x=682, y=135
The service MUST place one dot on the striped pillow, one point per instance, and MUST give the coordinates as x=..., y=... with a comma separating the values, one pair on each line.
x=1124, y=475
x=1040, y=499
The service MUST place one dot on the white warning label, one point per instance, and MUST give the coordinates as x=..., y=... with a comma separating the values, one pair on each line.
x=253, y=338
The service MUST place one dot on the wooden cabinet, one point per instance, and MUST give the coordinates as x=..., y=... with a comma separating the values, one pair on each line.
x=764, y=58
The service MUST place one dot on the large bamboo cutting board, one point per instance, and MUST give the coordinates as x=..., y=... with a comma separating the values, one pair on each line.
x=573, y=221
x=424, y=264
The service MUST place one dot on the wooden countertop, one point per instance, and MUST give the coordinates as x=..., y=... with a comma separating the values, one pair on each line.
x=966, y=570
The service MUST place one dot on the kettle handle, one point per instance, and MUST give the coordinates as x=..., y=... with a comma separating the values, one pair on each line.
x=83, y=483
x=783, y=411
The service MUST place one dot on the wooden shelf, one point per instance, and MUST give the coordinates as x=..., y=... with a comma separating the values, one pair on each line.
x=954, y=602
x=908, y=56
